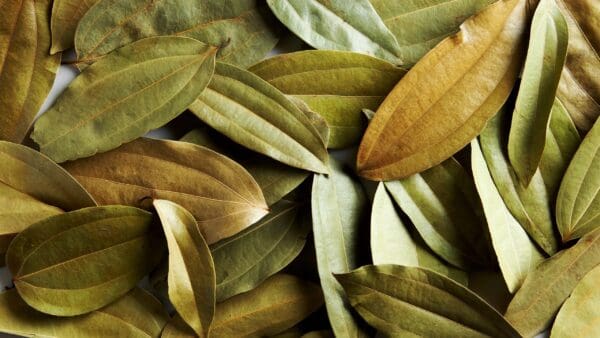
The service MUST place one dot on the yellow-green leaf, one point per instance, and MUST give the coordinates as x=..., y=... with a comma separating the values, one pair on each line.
x=65, y=17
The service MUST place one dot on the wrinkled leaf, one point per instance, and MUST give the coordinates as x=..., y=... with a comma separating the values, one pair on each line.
x=443, y=102
x=244, y=261
x=517, y=255
x=546, y=56
x=137, y=315
x=137, y=88
x=335, y=84
x=220, y=194
x=339, y=25
x=256, y=115
x=409, y=301
x=192, y=286
x=27, y=71
x=65, y=17
x=80, y=261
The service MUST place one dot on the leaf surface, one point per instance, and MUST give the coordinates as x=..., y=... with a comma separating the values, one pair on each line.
x=65, y=17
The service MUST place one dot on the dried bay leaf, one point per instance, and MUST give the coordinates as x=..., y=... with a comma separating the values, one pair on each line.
x=546, y=288
x=409, y=301
x=315, y=119
x=220, y=194
x=137, y=314
x=338, y=25
x=83, y=260
x=420, y=25
x=139, y=87
x=177, y=328
x=418, y=125
x=339, y=206
x=255, y=114
x=335, y=84
x=244, y=30
x=546, y=56
x=65, y=17
x=27, y=71
x=517, y=255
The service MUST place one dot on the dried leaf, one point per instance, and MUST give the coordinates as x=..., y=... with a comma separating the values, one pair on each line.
x=65, y=17
x=418, y=125
x=80, y=261
x=315, y=119
x=137, y=88
x=220, y=194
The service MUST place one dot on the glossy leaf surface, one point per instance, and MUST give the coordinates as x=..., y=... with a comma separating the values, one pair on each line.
x=65, y=17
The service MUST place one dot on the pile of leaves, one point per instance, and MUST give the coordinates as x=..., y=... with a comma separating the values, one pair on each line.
x=430, y=168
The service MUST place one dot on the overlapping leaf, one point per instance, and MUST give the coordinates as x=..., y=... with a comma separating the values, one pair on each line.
x=65, y=17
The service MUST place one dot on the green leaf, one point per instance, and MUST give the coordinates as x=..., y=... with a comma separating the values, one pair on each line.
x=578, y=203
x=244, y=261
x=137, y=315
x=256, y=115
x=192, y=285
x=392, y=243
x=339, y=206
x=80, y=261
x=546, y=56
x=338, y=25
x=65, y=17
x=244, y=30
x=409, y=301
x=315, y=119
x=137, y=88
x=177, y=328
x=546, y=288
x=335, y=84
x=579, y=316
x=442, y=204
x=420, y=25
x=517, y=255
x=220, y=194
x=27, y=71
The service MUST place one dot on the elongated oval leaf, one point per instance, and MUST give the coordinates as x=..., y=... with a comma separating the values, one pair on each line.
x=338, y=25
x=408, y=301
x=244, y=261
x=578, y=203
x=80, y=261
x=546, y=56
x=442, y=103
x=533, y=308
x=140, y=87
x=137, y=314
x=220, y=194
x=27, y=71
x=256, y=115
x=420, y=25
x=65, y=17
x=244, y=30
x=338, y=209
x=517, y=255
x=335, y=84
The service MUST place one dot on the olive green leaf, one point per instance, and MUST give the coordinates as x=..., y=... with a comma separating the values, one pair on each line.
x=319, y=334
x=244, y=30
x=392, y=243
x=579, y=87
x=420, y=25
x=315, y=119
x=65, y=17
x=192, y=285
x=177, y=328
x=220, y=194
x=442, y=204
x=80, y=261
x=335, y=84
x=418, y=125
x=578, y=202
x=531, y=206
x=517, y=255
x=533, y=308
x=256, y=115
x=339, y=205
x=546, y=56
x=338, y=25
x=579, y=316
x=408, y=301
x=244, y=261
x=27, y=71
x=137, y=88
x=278, y=304
x=137, y=314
